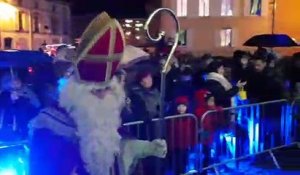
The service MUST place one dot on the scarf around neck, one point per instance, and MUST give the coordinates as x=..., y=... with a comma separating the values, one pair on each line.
x=221, y=79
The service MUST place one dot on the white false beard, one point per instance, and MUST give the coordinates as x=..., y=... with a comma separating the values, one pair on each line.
x=97, y=123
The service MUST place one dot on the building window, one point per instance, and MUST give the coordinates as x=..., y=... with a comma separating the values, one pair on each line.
x=255, y=7
x=182, y=38
x=226, y=37
x=8, y=43
x=21, y=20
x=54, y=25
x=36, y=25
x=181, y=7
x=226, y=8
x=203, y=7
x=182, y=41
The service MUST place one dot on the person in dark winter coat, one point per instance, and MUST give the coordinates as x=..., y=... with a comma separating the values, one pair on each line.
x=181, y=136
x=241, y=66
x=145, y=102
x=294, y=73
x=18, y=105
x=52, y=134
x=263, y=84
x=219, y=86
x=209, y=124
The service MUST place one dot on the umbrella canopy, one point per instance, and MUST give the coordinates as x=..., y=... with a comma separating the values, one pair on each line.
x=22, y=58
x=133, y=55
x=271, y=40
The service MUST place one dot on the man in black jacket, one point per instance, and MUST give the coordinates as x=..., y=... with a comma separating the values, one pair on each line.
x=263, y=84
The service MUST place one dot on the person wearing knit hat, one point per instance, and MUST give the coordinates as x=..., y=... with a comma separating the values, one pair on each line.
x=182, y=104
x=205, y=101
x=181, y=136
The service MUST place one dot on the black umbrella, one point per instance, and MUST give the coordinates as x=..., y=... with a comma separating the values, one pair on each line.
x=22, y=58
x=271, y=40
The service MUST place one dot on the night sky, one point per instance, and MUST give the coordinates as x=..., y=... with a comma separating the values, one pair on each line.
x=116, y=8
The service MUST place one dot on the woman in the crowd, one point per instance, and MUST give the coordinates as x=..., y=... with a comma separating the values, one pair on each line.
x=219, y=86
x=241, y=66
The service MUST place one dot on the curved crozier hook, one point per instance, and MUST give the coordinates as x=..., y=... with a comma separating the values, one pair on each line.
x=162, y=33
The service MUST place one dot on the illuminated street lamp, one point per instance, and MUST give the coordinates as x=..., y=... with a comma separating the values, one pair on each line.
x=7, y=12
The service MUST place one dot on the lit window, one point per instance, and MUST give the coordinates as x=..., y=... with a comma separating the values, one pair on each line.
x=139, y=25
x=22, y=18
x=226, y=9
x=128, y=25
x=128, y=33
x=182, y=38
x=181, y=7
x=203, y=7
x=128, y=20
x=226, y=37
x=255, y=8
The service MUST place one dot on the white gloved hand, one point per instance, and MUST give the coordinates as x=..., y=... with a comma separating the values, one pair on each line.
x=159, y=148
x=133, y=150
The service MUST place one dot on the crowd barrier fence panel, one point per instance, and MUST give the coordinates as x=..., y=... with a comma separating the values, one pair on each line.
x=252, y=129
x=176, y=126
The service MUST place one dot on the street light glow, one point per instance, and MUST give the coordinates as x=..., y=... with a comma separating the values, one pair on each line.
x=7, y=11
